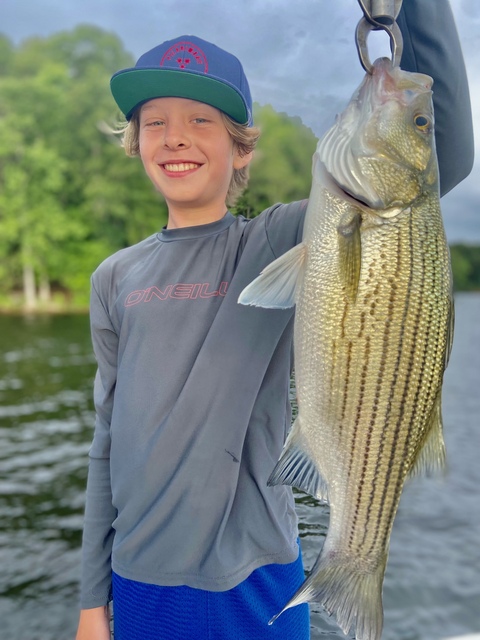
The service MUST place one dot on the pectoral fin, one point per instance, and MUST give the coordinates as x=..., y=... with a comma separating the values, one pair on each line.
x=350, y=254
x=275, y=287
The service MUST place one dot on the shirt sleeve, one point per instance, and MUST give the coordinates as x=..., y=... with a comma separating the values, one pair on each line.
x=431, y=45
x=99, y=511
x=284, y=225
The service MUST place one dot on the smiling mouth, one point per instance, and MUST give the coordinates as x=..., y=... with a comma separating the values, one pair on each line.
x=181, y=166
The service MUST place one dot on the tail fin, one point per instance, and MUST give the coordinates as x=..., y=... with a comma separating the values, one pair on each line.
x=353, y=594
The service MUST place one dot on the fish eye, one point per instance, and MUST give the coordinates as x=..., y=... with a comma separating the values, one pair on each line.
x=422, y=122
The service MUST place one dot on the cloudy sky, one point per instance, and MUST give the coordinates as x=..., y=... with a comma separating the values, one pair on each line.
x=299, y=55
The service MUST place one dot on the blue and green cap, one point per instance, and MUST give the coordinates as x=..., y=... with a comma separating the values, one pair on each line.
x=186, y=67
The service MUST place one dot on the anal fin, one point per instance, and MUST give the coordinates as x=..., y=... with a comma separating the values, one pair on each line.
x=296, y=467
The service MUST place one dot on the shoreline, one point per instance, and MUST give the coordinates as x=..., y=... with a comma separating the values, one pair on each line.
x=53, y=310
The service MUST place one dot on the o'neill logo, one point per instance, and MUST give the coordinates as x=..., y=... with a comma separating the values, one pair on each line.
x=179, y=291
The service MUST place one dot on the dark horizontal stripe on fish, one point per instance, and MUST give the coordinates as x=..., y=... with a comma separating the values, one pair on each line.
x=386, y=348
x=388, y=507
x=356, y=427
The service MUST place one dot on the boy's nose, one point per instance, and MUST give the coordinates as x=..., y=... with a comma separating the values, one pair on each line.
x=175, y=138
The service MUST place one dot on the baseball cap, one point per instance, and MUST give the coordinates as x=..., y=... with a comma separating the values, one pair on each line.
x=186, y=67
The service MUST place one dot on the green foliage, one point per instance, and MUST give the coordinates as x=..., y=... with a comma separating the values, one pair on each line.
x=281, y=170
x=68, y=195
x=465, y=267
x=6, y=55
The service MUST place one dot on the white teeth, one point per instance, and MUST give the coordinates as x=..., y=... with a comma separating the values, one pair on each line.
x=182, y=166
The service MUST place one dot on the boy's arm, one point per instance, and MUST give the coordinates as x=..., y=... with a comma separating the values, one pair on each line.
x=99, y=511
x=284, y=225
x=94, y=624
x=432, y=46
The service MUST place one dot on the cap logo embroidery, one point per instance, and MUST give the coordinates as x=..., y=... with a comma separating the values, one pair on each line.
x=185, y=55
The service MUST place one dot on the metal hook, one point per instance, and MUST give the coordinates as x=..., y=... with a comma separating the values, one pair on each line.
x=367, y=24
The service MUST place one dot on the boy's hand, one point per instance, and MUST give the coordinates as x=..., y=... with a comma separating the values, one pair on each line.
x=94, y=624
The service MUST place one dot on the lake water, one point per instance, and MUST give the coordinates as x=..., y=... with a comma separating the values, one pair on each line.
x=432, y=582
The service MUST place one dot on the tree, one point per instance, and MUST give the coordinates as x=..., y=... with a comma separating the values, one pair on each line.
x=67, y=193
x=32, y=218
x=281, y=170
x=6, y=55
x=465, y=267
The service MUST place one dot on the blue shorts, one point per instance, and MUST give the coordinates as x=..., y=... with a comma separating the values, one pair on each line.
x=149, y=612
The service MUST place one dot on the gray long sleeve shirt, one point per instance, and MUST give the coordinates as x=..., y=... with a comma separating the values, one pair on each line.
x=192, y=399
x=183, y=444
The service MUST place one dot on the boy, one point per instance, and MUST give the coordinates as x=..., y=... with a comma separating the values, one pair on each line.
x=192, y=390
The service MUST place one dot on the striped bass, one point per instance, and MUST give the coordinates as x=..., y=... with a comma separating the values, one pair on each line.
x=373, y=329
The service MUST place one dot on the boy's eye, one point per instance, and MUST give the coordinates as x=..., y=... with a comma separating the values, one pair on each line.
x=154, y=123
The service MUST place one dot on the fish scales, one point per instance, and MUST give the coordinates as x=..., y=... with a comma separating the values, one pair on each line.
x=362, y=393
x=372, y=335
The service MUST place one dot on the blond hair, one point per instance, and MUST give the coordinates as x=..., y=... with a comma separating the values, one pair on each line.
x=245, y=139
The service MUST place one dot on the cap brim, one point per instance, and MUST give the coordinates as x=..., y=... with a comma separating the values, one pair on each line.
x=133, y=87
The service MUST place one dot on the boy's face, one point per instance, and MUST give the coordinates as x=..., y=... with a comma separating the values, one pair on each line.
x=188, y=155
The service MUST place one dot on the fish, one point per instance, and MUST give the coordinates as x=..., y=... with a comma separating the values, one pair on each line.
x=372, y=287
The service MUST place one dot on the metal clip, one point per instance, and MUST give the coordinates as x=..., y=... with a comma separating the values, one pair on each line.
x=381, y=11
x=379, y=15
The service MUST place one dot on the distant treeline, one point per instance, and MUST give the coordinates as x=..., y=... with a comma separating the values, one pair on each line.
x=465, y=267
x=68, y=195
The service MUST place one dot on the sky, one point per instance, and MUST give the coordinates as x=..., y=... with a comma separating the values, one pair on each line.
x=299, y=56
